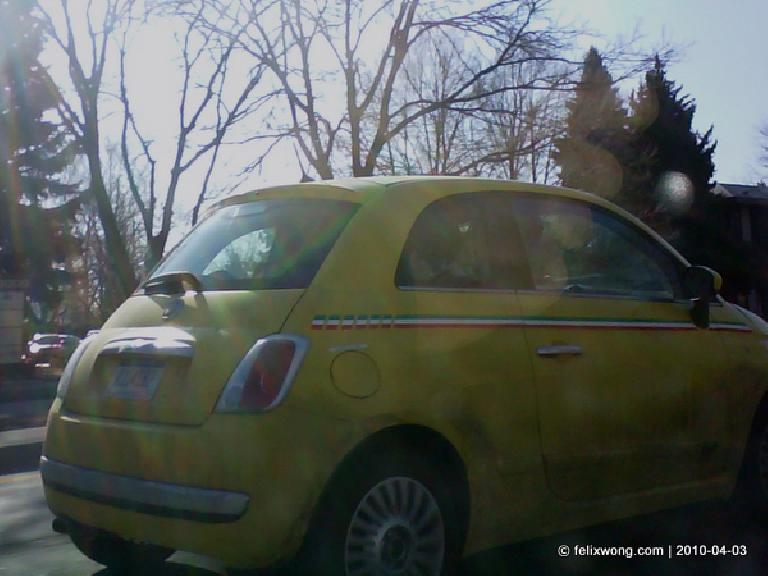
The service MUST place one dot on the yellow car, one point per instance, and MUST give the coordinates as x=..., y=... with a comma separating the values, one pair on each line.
x=378, y=376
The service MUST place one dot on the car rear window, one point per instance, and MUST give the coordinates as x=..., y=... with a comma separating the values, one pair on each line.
x=262, y=245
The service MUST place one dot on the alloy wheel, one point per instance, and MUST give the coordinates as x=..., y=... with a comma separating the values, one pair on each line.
x=762, y=462
x=396, y=530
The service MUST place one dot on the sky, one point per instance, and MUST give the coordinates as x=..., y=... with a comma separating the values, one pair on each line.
x=720, y=62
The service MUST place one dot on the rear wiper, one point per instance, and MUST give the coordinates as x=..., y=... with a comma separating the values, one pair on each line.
x=173, y=283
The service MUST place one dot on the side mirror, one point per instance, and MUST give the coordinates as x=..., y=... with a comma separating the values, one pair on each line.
x=703, y=284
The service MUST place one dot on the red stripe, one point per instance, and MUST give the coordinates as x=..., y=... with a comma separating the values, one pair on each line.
x=456, y=326
x=558, y=326
x=627, y=327
x=586, y=326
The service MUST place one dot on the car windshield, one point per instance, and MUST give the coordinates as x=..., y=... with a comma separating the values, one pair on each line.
x=48, y=340
x=267, y=244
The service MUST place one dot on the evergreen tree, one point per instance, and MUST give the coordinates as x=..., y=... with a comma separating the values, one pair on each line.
x=36, y=208
x=595, y=148
x=678, y=181
x=675, y=186
x=675, y=183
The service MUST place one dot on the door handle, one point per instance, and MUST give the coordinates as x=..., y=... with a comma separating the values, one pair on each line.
x=559, y=350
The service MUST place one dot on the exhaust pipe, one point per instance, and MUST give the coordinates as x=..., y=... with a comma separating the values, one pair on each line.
x=59, y=526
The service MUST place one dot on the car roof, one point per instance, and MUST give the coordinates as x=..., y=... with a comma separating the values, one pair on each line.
x=360, y=188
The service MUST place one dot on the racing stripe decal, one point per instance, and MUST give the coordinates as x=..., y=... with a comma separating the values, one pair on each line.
x=373, y=321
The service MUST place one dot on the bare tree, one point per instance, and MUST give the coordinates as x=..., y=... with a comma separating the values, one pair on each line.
x=86, y=56
x=212, y=100
x=444, y=140
x=94, y=278
x=318, y=46
x=508, y=134
x=521, y=126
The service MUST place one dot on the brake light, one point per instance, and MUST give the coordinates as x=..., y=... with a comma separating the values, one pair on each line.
x=264, y=375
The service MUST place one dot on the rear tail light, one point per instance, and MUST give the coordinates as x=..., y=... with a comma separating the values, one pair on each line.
x=264, y=375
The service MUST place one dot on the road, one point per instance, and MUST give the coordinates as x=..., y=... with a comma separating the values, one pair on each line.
x=29, y=547
x=25, y=403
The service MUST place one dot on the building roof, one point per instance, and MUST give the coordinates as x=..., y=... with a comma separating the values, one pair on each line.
x=741, y=192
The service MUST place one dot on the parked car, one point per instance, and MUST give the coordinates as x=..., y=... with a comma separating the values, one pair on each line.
x=376, y=376
x=50, y=351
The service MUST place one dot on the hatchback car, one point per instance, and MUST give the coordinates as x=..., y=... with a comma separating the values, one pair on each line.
x=377, y=376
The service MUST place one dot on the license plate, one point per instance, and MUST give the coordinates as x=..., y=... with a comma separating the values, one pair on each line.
x=135, y=381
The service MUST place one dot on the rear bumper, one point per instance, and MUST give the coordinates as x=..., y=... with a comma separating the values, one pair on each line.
x=156, y=498
x=239, y=488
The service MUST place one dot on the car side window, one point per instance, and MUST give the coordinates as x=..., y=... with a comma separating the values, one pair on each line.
x=449, y=247
x=576, y=247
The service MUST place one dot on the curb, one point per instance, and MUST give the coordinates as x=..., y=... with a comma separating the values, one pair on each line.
x=20, y=450
x=22, y=436
x=23, y=415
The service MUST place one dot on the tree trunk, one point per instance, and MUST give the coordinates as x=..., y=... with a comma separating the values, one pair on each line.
x=116, y=250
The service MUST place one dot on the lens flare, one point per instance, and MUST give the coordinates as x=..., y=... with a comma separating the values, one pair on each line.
x=674, y=193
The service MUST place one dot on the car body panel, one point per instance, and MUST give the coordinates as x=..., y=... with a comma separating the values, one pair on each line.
x=745, y=385
x=220, y=326
x=260, y=455
x=612, y=421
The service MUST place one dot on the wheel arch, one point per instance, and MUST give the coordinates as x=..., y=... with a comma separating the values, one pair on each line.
x=760, y=415
x=418, y=438
x=748, y=446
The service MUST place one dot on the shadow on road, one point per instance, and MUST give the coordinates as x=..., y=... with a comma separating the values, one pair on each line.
x=22, y=458
x=25, y=403
x=699, y=525
x=715, y=529
x=20, y=390
x=167, y=569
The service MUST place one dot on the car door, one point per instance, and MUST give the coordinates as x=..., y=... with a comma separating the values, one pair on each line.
x=722, y=407
x=615, y=354
x=457, y=292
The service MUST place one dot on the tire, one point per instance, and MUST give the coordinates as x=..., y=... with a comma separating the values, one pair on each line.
x=386, y=512
x=752, y=488
x=119, y=555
